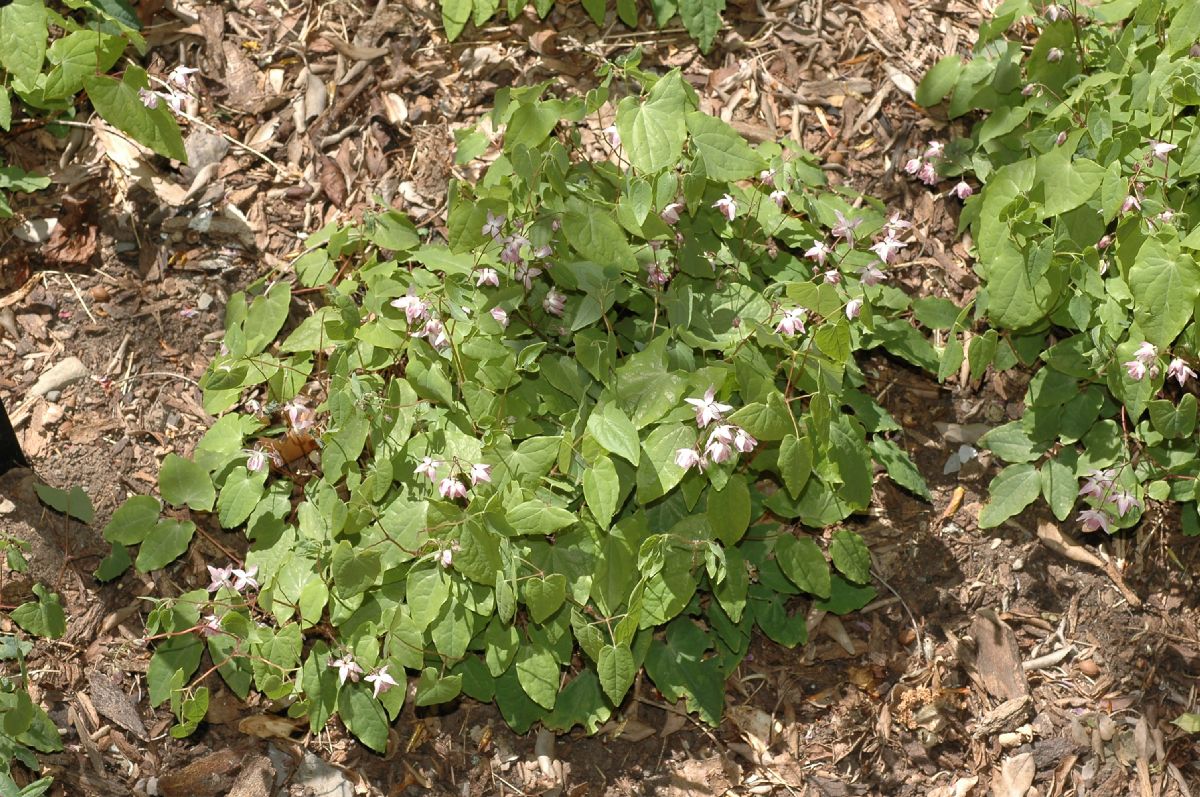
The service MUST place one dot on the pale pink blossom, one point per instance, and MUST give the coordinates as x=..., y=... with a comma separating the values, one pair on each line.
x=962, y=190
x=913, y=166
x=511, y=253
x=554, y=302
x=1178, y=370
x=895, y=224
x=767, y=177
x=451, y=488
x=722, y=432
x=149, y=98
x=526, y=275
x=445, y=557
x=727, y=206
x=487, y=276
x=299, y=416
x=544, y=251
x=656, y=277
x=347, y=667
x=1054, y=55
x=220, y=577
x=670, y=214
x=792, y=322
x=494, y=225
x=244, y=579
x=1054, y=12
x=415, y=308
x=887, y=248
x=1104, y=242
x=935, y=149
x=871, y=275
x=257, y=461
x=779, y=197
x=211, y=626
x=1060, y=139
x=1125, y=501
x=435, y=331
x=500, y=315
x=1161, y=149
x=1029, y=89
x=614, y=137
x=181, y=77
x=818, y=251
x=928, y=174
x=718, y=452
x=853, y=308
x=1136, y=369
x=688, y=458
x=832, y=276
x=480, y=473
x=1098, y=484
x=743, y=442
x=707, y=408
x=380, y=681
x=1147, y=352
x=428, y=468
x=1093, y=519
x=844, y=228
x=1132, y=202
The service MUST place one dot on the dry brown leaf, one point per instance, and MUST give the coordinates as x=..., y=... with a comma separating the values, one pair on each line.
x=268, y=726
x=1014, y=777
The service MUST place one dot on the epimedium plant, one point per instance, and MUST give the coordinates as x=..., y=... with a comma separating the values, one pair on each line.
x=1086, y=235
x=576, y=439
x=701, y=18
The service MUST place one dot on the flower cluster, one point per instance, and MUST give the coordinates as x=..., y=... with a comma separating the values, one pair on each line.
x=1100, y=485
x=1144, y=362
x=723, y=440
x=235, y=578
x=452, y=487
x=924, y=168
x=178, y=87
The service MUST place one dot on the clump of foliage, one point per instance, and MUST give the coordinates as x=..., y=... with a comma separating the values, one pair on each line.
x=1086, y=232
x=51, y=54
x=701, y=18
x=570, y=442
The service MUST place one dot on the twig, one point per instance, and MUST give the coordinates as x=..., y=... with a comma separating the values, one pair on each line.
x=132, y=377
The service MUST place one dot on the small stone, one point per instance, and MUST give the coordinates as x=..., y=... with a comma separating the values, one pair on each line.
x=204, y=301
x=65, y=372
x=99, y=293
x=53, y=395
x=1089, y=668
x=1018, y=564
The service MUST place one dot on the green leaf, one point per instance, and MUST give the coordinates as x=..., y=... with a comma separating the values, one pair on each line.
x=43, y=617
x=595, y=10
x=679, y=668
x=900, y=467
x=1059, y=487
x=544, y=596
x=427, y=589
x=803, y=563
x=652, y=132
x=1164, y=283
x=118, y=102
x=702, y=18
x=167, y=542
x=613, y=430
x=23, y=36
x=850, y=556
x=725, y=154
x=845, y=597
x=1013, y=489
x=240, y=495
x=769, y=421
x=133, y=520
x=538, y=674
x=939, y=81
x=1184, y=28
x=433, y=688
x=74, y=503
x=658, y=474
x=1174, y=420
x=596, y=236
x=538, y=518
x=795, y=463
x=729, y=510
x=581, y=702
x=1187, y=722
x=602, y=490
x=184, y=483
x=266, y=317
x=616, y=669
x=455, y=15
x=1069, y=182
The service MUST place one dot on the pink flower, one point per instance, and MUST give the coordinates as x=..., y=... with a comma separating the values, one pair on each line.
x=1161, y=149
x=935, y=149
x=1093, y=519
x=1054, y=12
x=817, y=252
x=767, y=177
x=1029, y=89
x=895, y=224
x=1054, y=55
x=511, y=253
x=381, y=681
x=493, y=226
x=1136, y=369
x=414, y=307
x=181, y=77
x=913, y=166
x=526, y=275
x=707, y=409
x=1098, y=484
x=428, y=468
x=871, y=275
x=722, y=432
x=1178, y=370
x=299, y=416
x=1132, y=202
x=1125, y=501
x=656, y=277
x=480, y=473
x=853, y=308
x=500, y=315
x=614, y=138
x=670, y=214
x=1060, y=139
x=887, y=248
x=743, y=442
x=244, y=579
x=542, y=252
x=779, y=197
x=487, y=276
x=792, y=322
x=149, y=98
x=1104, y=242
x=832, y=276
x=845, y=227
x=211, y=626
x=962, y=190
x=435, y=331
x=554, y=303
x=688, y=458
x=347, y=667
x=928, y=174
x=220, y=576
x=727, y=206
x=1147, y=353
x=718, y=452
x=445, y=558
x=451, y=489
x=257, y=461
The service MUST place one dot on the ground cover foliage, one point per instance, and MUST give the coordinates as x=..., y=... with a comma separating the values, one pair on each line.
x=548, y=446
x=1085, y=231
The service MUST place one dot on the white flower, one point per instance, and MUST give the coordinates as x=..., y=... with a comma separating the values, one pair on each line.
x=792, y=322
x=500, y=315
x=347, y=667
x=817, y=252
x=1147, y=352
x=554, y=302
x=962, y=190
x=480, y=473
x=779, y=197
x=1092, y=519
x=428, y=468
x=220, y=576
x=1136, y=369
x=767, y=177
x=935, y=149
x=211, y=625
x=1125, y=501
x=928, y=174
x=446, y=557
x=717, y=451
x=832, y=276
x=243, y=579
x=727, y=206
x=487, y=276
x=1098, y=484
x=895, y=224
x=688, y=458
x=1054, y=55
x=451, y=489
x=149, y=98
x=845, y=227
x=913, y=166
x=381, y=681
x=1179, y=371
x=1054, y=12
x=614, y=137
x=1161, y=149
x=435, y=331
x=526, y=275
x=708, y=410
x=887, y=248
x=542, y=252
x=299, y=416
x=181, y=77
x=853, y=308
x=723, y=432
x=493, y=225
x=670, y=214
x=257, y=461
x=743, y=442
x=414, y=307
x=871, y=275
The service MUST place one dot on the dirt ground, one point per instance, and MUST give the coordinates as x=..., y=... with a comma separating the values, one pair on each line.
x=994, y=662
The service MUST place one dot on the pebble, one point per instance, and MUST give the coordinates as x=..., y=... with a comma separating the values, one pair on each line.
x=1089, y=668
x=53, y=395
x=65, y=372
